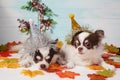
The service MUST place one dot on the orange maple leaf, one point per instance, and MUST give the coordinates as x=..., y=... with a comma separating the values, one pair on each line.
x=67, y=74
x=96, y=77
x=116, y=64
x=55, y=68
x=95, y=67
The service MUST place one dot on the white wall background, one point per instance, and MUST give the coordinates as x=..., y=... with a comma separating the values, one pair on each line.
x=99, y=14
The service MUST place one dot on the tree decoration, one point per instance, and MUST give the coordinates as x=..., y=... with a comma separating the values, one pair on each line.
x=45, y=14
x=24, y=26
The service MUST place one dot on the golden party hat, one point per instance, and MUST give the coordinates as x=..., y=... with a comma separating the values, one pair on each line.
x=75, y=25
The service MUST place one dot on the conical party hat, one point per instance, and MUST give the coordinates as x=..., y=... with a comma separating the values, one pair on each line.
x=75, y=25
x=33, y=30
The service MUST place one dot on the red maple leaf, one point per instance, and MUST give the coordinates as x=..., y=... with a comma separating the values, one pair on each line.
x=67, y=74
x=96, y=77
x=116, y=64
x=5, y=53
x=55, y=68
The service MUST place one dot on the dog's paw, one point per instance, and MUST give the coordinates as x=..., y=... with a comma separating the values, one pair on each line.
x=26, y=61
x=62, y=62
x=25, y=64
x=70, y=65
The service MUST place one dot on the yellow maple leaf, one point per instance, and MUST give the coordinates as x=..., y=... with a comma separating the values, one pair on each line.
x=32, y=73
x=95, y=67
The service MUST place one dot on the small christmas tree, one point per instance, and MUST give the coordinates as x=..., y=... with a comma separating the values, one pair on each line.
x=45, y=14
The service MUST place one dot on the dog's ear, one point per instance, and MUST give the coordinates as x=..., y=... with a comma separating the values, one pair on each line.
x=54, y=41
x=74, y=40
x=52, y=44
x=100, y=33
x=53, y=51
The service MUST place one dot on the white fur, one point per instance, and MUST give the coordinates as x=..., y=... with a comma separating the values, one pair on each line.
x=25, y=59
x=82, y=36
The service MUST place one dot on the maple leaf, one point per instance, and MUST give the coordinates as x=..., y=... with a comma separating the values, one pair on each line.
x=14, y=65
x=95, y=67
x=106, y=73
x=111, y=48
x=5, y=54
x=106, y=55
x=9, y=63
x=32, y=73
x=3, y=47
x=67, y=74
x=2, y=65
x=116, y=64
x=96, y=77
x=55, y=68
x=12, y=44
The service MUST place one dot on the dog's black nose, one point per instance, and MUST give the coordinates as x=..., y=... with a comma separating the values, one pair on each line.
x=42, y=66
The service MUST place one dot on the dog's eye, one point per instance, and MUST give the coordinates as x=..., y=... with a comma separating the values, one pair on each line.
x=77, y=43
x=87, y=44
x=48, y=57
x=38, y=57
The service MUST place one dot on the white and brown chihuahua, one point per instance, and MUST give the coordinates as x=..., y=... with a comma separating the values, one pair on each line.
x=86, y=49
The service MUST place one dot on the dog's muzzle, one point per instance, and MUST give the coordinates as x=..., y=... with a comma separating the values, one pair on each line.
x=43, y=66
x=80, y=49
